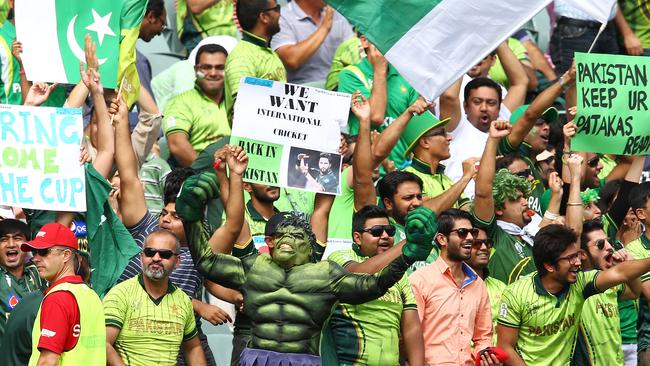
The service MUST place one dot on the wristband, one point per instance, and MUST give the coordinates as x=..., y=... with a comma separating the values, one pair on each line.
x=22, y=72
x=563, y=83
x=574, y=204
x=550, y=215
x=216, y=164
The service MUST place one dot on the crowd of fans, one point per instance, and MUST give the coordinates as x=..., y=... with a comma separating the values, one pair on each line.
x=467, y=230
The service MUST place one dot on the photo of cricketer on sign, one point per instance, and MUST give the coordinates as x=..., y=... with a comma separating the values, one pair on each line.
x=37, y=146
x=290, y=132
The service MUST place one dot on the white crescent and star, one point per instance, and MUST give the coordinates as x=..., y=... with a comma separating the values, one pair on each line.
x=99, y=26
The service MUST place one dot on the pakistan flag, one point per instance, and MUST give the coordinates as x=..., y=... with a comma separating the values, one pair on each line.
x=53, y=31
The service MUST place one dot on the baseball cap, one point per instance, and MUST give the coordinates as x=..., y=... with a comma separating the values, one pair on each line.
x=274, y=221
x=52, y=234
x=417, y=127
x=550, y=115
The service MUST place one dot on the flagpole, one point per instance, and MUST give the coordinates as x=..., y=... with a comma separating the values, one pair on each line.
x=600, y=31
x=119, y=95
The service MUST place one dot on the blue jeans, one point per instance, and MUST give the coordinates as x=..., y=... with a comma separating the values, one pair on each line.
x=570, y=36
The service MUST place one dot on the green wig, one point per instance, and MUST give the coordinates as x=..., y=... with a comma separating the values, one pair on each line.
x=506, y=187
x=588, y=196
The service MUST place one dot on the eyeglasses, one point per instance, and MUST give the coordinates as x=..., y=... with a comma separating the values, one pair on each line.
x=436, y=132
x=377, y=230
x=524, y=173
x=600, y=244
x=462, y=232
x=44, y=252
x=593, y=162
x=207, y=67
x=276, y=8
x=478, y=243
x=572, y=259
x=163, y=253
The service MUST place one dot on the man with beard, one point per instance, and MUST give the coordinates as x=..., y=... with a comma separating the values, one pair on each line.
x=197, y=118
x=538, y=315
x=18, y=278
x=599, y=338
x=451, y=298
x=326, y=177
x=147, y=317
x=253, y=56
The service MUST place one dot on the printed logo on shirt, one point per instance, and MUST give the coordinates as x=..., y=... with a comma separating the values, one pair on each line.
x=78, y=227
x=12, y=300
x=47, y=333
x=76, y=330
x=503, y=310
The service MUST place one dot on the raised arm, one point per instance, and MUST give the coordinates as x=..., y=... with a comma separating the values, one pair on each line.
x=450, y=105
x=361, y=174
x=574, y=209
x=517, y=79
x=553, y=210
x=622, y=273
x=17, y=51
x=223, y=269
x=295, y=55
x=377, y=99
x=320, y=217
x=483, y=199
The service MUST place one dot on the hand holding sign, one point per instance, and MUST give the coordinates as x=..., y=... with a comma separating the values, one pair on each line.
x=237, y=160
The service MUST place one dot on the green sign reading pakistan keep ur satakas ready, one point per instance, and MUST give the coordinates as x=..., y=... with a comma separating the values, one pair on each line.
x=613, y=104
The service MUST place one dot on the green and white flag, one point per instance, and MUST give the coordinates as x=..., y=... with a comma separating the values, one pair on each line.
x=52, y=33
x=432, y=42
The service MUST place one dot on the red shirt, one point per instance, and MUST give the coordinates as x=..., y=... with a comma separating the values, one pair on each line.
x=60, y=319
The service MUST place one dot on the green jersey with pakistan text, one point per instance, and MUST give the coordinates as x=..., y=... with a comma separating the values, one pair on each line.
x=640, y=249
x=547, y=323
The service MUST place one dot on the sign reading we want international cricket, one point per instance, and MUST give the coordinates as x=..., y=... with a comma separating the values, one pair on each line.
x=39, y=158
x=291, y=134
x=613, y=104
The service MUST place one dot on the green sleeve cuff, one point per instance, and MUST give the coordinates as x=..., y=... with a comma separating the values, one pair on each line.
x=114, y=323
x=191, y=335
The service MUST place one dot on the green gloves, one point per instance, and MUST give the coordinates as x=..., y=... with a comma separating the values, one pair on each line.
x=421, y=227
x=194, y=195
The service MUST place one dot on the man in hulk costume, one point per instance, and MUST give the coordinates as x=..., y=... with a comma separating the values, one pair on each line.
x=288, y=295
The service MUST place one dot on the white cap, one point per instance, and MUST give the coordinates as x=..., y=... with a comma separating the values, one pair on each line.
x=6, y=212
x=226, y=42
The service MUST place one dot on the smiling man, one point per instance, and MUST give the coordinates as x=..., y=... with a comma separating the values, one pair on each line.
x=19, y=278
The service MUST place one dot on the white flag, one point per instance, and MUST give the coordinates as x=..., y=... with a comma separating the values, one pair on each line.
x=599, y=9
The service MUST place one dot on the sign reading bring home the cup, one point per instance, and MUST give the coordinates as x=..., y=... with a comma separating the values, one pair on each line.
x=39, y=158
x=291, y=134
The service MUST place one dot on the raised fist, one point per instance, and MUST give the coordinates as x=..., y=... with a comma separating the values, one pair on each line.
x=194, y=195
x=421, y=227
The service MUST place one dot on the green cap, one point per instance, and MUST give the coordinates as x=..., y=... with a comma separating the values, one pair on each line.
x=417, y=127
x=550, y=115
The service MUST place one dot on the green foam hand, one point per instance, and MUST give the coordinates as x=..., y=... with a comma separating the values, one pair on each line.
x=194, y=195
x=421, y=227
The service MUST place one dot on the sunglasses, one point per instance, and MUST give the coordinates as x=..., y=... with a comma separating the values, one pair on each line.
x=593, y=162
x=600, y=244
x=44, y=252
x=163, y=253
x=276, y=8
x=436, y=132
x=478, y=243
x=377, y=230
x=524, y=173
x=462, y=232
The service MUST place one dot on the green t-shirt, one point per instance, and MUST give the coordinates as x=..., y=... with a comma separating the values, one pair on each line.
x=348, y=53
x=495, y=290
x=510, y=258
x=497, y=72
x=339, y=225
x=538, y=187
x=636, y=13
x=298, y=201
x=640, y=249
x=629, y=314
x=17, y=341
x=599, y=338
x=12, y=290
x=151, y=331
x=547, y=323
x=368, y=334
x=434, y=184
x=251, y=57
x=10, y=91
x=197, y=116
x=399, y=96
x=216, y=20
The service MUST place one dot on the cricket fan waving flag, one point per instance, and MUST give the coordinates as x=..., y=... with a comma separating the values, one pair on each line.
x=52, y=33
x=432, y=42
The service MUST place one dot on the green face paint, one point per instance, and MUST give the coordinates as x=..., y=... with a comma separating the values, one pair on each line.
x=291, y=247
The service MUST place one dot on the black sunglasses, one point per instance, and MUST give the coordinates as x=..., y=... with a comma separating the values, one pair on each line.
x=163, y=253
x=277, y=7
x=462, y=232
x=600, y=244
x=478, y=243
x=377, y=230
x=44, y=252
x=593, y=162
x=524, y=173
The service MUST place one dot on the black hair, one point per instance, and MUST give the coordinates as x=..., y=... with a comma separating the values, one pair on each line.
x=589, y=226
x=387, y=186
x=248, y=10
x=157, y=7
x=480, y=82
x=607, y=194
x=448, y=218
x=549, y=244
x=505, y=161
x=13, y=226
x=209, y=48
x=364, y=214
x=639, y=196
x=174, y=182
x=327, y=156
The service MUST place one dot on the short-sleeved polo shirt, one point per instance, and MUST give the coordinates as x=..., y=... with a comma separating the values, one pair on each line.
x=640, y=249
x=434, y=184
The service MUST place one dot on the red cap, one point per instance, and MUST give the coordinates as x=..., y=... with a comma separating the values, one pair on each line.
x=52, y=234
